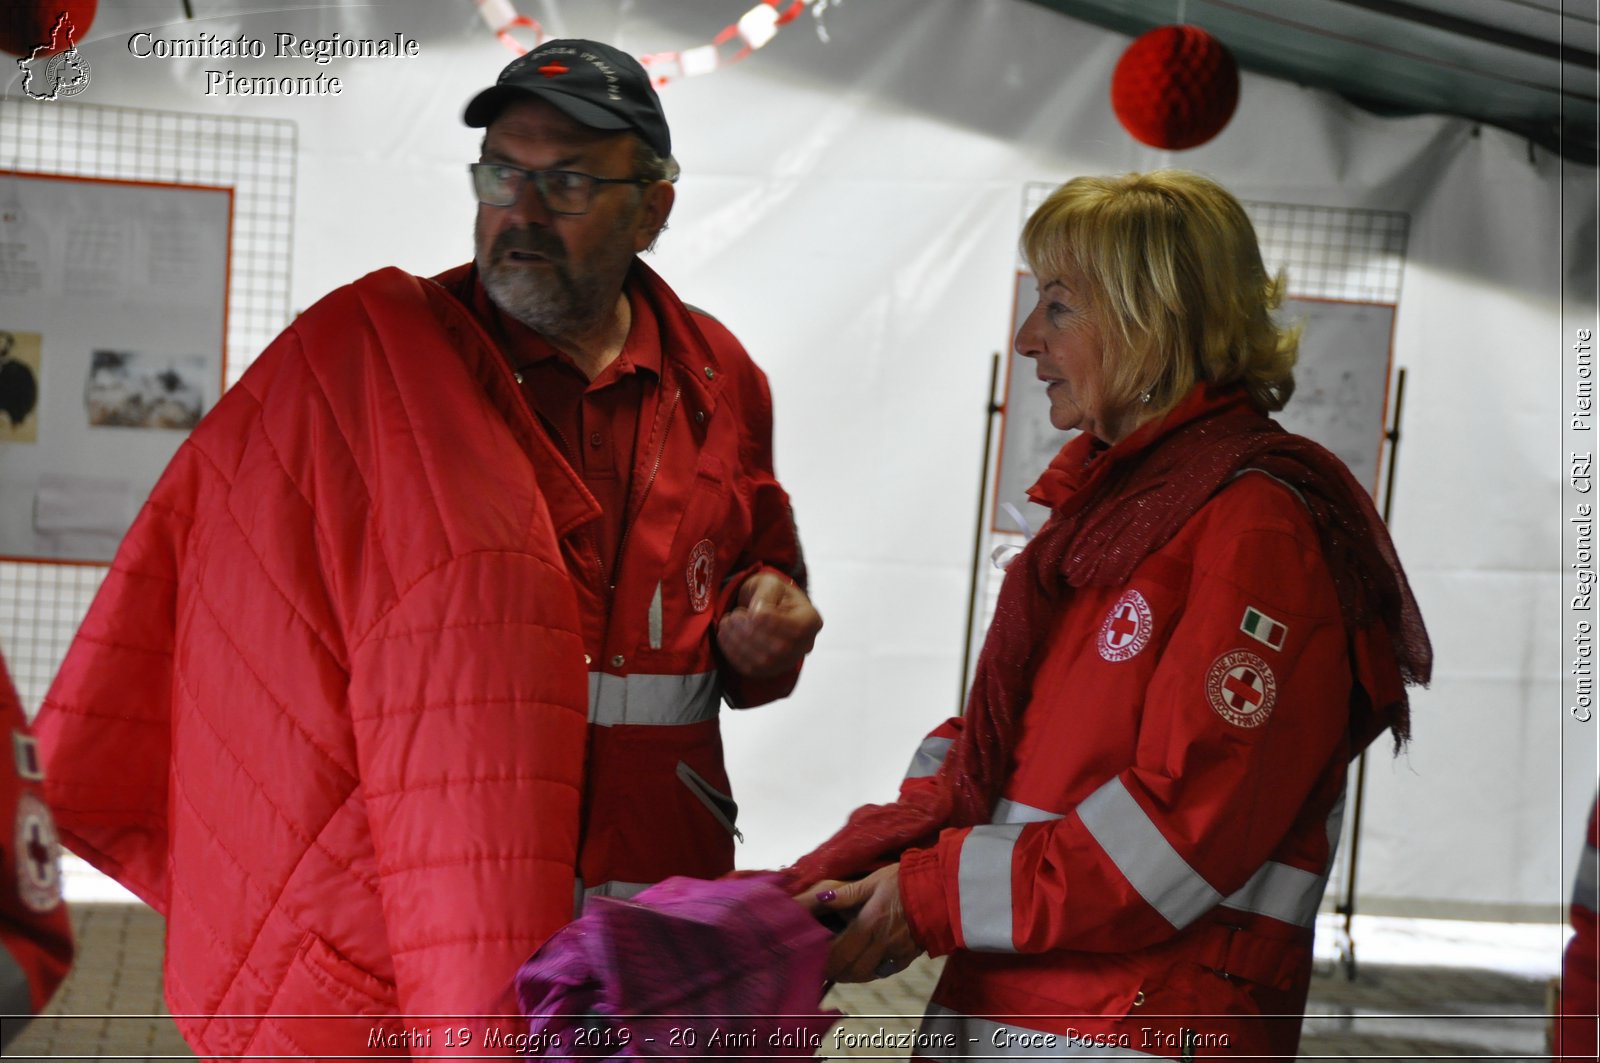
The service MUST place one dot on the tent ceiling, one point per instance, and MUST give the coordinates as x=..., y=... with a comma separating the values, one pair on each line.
x=1529, y=66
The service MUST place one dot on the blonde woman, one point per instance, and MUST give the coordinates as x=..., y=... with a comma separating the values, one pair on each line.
x=1122, y=843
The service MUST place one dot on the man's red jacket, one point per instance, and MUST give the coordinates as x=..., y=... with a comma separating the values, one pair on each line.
x=327, y=713
x=705, y=512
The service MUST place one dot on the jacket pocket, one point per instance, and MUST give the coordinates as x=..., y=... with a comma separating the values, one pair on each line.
x=327, y=1006
x=719, y=804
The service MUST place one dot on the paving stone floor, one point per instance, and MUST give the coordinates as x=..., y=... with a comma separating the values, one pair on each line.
x=111, y=1006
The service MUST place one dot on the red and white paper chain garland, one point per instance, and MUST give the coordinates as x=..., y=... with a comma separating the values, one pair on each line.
x=754, y=29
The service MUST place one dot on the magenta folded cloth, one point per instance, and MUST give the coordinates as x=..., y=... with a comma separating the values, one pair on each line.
x=688, y=968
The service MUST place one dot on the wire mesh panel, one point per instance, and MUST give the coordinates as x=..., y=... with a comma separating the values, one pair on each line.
x=1327, y=252
x=41, y=605
x=1334, y=252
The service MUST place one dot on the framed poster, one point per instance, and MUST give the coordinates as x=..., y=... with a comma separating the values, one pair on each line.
x=113, y=313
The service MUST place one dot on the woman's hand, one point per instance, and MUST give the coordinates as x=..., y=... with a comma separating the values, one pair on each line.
x=878, y=941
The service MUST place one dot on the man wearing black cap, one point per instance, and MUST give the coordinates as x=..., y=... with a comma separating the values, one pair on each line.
x=689, y=577
x=426, y=626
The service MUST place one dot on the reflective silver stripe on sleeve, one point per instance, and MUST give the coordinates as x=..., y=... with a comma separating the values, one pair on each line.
x=1282, y=892
x=984, y=879
x=975, y=1038
x=1336, y=826
x=652, y=700
x=1009, y=811
x=1587, y=884
x=1145, y=857
x=1288, y=893
x=929, y=757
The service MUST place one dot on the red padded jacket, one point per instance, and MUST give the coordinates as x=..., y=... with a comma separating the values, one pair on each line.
x=1150, y=880
x=327, y=711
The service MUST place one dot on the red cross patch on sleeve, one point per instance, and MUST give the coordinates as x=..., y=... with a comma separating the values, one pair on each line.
x=38, y=855
x=1126, y=628
x=1242, y=688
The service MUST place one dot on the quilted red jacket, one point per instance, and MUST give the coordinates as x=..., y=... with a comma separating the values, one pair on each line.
x=327, y=713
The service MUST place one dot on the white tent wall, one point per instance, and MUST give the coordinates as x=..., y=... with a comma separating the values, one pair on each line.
x=850, y=208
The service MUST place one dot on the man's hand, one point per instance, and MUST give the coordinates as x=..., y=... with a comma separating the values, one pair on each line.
x=771, y=629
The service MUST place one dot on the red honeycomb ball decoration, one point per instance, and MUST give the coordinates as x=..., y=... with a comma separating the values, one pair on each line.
x=1175, y=87
x=26, y=24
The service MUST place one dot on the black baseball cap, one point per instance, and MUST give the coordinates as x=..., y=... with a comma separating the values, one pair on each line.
x=594, y=84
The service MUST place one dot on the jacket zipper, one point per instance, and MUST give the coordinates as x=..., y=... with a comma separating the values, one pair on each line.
x=721, y=806
x=661, y=450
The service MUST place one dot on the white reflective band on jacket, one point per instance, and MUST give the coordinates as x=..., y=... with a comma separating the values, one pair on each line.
x=1143, y=855
x=1173, y=888
x=982, y=1039
x=1587, y=884
x=653, y=700
x=928, y=758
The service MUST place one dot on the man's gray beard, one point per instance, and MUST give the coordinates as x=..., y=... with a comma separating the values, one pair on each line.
x=558, y=302
x=555, y=305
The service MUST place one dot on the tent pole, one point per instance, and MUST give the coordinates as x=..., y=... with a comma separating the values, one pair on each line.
x=991, y=409
x=1348, y=908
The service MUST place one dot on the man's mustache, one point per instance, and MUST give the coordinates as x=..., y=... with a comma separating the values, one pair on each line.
x=529, y=240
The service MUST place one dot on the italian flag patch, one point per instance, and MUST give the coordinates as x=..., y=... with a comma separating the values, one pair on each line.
x=1263, y=628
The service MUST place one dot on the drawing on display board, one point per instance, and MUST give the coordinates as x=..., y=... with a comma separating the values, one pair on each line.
x=19, y=387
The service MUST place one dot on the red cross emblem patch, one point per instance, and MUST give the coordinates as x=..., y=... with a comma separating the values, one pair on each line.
x=1241, y=688
x=38, y=855
x=1126, y=629
x=702, y=562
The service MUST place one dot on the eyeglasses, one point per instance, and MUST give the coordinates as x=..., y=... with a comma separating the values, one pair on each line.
x=561, y=191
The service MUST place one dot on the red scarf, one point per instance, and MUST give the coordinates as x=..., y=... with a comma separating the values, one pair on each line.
x=1114, y=507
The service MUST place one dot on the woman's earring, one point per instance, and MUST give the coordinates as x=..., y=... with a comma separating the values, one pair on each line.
x=1145, y=398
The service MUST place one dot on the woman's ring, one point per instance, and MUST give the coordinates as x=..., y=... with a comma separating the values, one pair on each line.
x=886, y=968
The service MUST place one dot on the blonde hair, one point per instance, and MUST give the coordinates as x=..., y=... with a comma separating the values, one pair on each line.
x=1175, y=274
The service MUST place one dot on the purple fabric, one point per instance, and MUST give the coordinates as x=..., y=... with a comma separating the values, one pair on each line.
x=687, y=968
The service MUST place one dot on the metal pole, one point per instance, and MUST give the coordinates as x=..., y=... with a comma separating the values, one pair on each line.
x=991, y=408
x=1348, y=908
